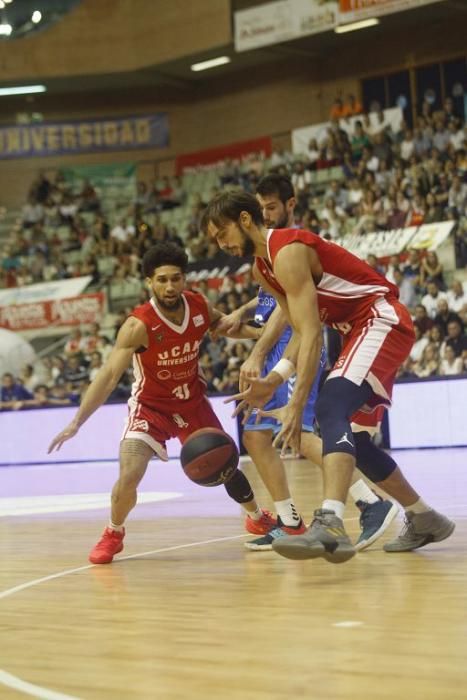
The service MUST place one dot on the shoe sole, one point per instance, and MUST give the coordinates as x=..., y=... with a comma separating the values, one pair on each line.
x=258, y=548
x=384, y=526
x=108, y=561
x=428, y=540
x=291, y=550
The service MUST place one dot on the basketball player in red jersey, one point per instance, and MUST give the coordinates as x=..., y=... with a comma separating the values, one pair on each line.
x=316, y=281
x=168, y=397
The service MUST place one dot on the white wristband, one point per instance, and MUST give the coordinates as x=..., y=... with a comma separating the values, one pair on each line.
x=285, y=368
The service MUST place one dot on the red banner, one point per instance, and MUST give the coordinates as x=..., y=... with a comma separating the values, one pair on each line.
x=87, y=308
x=352, y=10
x=214, y=155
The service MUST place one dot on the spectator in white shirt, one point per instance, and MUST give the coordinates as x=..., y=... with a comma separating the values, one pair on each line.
x=450, y=364
x=456, y=136
x=407, y=145
x=457, y=297
x=430, y=300
x=457, y=195
x=123, y=231
x=419, y=345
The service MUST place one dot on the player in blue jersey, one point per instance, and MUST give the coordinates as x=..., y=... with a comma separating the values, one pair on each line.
x=277, y=198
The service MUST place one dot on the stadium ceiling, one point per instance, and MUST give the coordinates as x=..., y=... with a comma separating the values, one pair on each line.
x=176, y=76
x=26, y=17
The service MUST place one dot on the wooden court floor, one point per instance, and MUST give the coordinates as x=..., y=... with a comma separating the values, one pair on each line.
x=187, y=613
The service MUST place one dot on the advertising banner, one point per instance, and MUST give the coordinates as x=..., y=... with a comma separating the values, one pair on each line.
x=44, y=291
x=354, y=10
x=84, y=136
x=211, y=156
x=284, y=20
x=74, y=311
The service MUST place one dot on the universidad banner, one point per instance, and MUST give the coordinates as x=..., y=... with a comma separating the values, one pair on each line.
x=85, y=136
x=74, y=311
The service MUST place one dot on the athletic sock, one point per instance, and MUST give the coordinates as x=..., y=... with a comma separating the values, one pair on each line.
x=117, y=528
x=254, y=515
x=287, y=512
x=337, y=506
x=418, y=507
x=362, y=492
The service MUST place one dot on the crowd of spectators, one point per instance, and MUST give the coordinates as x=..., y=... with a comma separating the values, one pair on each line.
x=384, y=178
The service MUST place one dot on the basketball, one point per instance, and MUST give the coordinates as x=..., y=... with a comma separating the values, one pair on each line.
x=209, y=457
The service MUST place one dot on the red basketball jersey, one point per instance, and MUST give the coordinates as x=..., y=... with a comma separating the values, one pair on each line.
x=167, y=374
x=348, y=287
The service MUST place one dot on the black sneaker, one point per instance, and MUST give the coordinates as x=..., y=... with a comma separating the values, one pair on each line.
x=326, y=537
x=374, y=519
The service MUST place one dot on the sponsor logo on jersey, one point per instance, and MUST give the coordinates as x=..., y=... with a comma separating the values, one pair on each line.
x=179, y=354
x=164, y=374
x=140, y=424
x=198, y=320
x=159, y=337
x=179, y=420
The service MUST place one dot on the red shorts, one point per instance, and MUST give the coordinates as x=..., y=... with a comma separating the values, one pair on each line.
x=375, y=348
x=156, y=427
x=368, y=422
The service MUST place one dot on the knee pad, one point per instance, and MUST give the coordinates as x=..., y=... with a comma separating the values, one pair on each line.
x=372, y=461
x=238, y=488
x=338, y=400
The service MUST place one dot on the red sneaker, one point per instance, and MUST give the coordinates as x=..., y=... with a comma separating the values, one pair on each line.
x=110, y=543
x=261, y=526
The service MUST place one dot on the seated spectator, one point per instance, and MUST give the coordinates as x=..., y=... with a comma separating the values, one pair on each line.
x=434, y=212
x=372, y=261
x=412, y=267
x=457, y=196
x=419, y=345
x=407, y=290
x=91, y=339
x=436, y=335
x=358, y=141
x=352, y=106
x=393, y=264
x=416, y=213
x=456, y=338
x=29, y=378
x=312, y=154
x=337, y=109
x=74, y=344
x=94, y=365
x=450, y=364
x=12, y=393
x=422, y=320
x=75, y=375
x=432, y=270
x=123, y=231
x=407, y=146
x=444, y=315
x=432, y=297
x=428, y=366
x=89, y=200
x=457, y=297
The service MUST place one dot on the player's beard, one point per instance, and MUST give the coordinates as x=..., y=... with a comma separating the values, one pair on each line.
x=248, y=247
x=282, y=221
x=173, y=305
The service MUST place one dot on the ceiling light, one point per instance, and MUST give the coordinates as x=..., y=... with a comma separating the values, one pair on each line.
x=212, y=63
x=353, y=26
x=7, y=1
x=36, y=16
x=5, y=29
x=23, y=90
x=2, y=4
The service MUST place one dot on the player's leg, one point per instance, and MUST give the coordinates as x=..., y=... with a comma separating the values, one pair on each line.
x=142, y=438
x=258, y=521
x=423, y=524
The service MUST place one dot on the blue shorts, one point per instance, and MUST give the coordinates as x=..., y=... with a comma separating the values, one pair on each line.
x=283, y=394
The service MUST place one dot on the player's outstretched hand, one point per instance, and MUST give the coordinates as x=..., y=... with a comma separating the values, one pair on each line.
x=250, y=369
x=291, y=428
x=69, y=432
x=255, y=396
